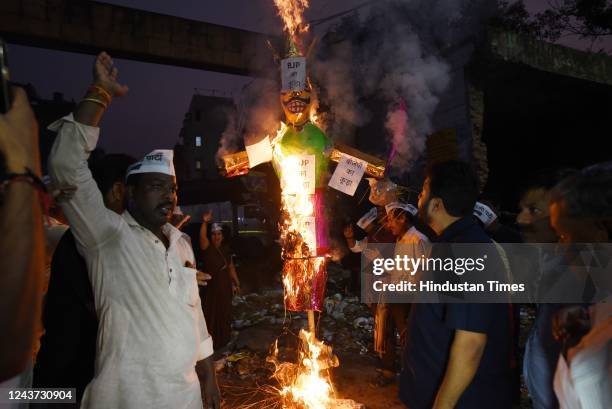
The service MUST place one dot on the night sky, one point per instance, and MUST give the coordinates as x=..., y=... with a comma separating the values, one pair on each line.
x=151, y=115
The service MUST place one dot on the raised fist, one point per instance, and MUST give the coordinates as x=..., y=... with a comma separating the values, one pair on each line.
x=207, y=217
x=105, y=75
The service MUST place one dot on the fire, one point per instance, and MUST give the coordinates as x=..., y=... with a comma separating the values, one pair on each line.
x=291, y=11
x=303, y=384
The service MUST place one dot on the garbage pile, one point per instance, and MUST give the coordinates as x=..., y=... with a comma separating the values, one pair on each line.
x=260, y=319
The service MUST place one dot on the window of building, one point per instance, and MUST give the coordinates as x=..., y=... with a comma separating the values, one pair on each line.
x=198, y=164
x=198, y=141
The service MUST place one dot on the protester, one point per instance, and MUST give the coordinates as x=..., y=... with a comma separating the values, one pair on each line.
x=488, y=216
x=151, y=327
x=457, y=355
x=67, y=355
x=374, y=224
x=22, y=250
x=370, y=229
x=533, y=220
x=581, y=212
x=581, y=206
x=541, y=349
x=393, y=316
x=224, y=284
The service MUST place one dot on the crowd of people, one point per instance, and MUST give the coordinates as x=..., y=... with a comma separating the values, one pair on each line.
x=466, y=355
x=101, y=290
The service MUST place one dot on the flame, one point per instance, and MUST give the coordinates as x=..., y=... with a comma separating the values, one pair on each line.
x=291, y=12
x=297, y=235
x=303, y=383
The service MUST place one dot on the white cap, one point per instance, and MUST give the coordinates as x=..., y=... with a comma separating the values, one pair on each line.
x=484, y=213
x=368, y=218
x=404, y=206
x=158, y=161
x=216, y=227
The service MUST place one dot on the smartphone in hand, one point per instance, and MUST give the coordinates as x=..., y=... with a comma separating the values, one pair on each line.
x=5, y=89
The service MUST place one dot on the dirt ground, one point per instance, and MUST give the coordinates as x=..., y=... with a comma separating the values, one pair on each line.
x=260, y=322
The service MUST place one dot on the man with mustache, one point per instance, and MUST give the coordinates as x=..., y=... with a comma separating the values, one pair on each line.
x=151, y=328
x=533, y=218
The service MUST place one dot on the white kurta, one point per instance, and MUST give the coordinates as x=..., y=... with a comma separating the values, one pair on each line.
x=152, y=330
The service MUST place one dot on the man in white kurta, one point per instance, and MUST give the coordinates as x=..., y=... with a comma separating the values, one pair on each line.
x=151, y=327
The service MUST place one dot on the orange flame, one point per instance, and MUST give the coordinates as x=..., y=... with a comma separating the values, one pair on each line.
x=292, y=11
x=303, y=383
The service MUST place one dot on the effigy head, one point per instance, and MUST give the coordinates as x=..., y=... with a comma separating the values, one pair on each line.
x=296, y=92
x=296, y=105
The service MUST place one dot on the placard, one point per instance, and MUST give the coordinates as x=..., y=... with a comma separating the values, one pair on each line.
x=259, y=152
x=348, y=174
x=298, y=174
x=293, y=74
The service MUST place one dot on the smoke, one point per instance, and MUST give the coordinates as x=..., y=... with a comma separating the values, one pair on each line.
x=412, y=90
x=341, y=111
x=230, y=138
x=380, y=64
x=391, y=55
x=256, y=116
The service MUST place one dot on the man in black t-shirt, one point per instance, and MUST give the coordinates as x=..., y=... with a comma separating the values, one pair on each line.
x=457, y=355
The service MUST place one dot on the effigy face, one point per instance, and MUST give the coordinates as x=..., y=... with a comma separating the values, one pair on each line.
x=296, y=105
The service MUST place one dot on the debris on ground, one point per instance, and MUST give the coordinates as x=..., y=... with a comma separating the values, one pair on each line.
x=346, y=324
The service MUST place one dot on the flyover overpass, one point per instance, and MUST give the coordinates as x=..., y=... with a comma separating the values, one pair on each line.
x=90, y=26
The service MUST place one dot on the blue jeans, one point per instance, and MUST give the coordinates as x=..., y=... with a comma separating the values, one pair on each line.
x=539, y=371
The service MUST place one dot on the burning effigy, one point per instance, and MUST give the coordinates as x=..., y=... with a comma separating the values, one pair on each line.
x=300, y=153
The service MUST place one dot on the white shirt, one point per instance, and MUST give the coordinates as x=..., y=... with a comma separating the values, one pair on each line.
x=414, y=236
x=412, y=244
x=152, y=330
x=586, y=383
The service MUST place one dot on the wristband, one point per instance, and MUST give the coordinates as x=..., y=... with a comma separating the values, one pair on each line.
x=28, y=176
x=98, y=95
x=97, y=101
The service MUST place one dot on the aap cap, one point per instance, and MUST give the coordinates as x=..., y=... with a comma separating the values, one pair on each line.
x=484, y=213
x=404, y=206
x=158, y=161
x=368, y=218
x=216, y=227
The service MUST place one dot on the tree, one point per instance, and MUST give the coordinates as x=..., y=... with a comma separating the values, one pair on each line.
x=587, y=19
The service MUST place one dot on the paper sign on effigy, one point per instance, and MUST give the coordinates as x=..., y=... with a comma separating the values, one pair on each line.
x=293, y=74
x=348, y=174
x=310, y=228
x=260, y=152
x=298, y=175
